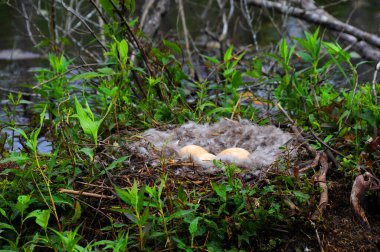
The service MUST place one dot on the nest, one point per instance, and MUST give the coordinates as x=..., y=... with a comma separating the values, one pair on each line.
x=262, y=142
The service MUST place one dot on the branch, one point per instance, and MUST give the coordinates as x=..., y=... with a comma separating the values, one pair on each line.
x=94, y=195
x=320, y=17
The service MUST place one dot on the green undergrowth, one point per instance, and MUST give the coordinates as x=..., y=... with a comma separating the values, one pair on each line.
x=80, y=108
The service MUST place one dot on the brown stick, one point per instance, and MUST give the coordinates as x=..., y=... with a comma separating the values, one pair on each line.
x=323, y=201
x=95, y=195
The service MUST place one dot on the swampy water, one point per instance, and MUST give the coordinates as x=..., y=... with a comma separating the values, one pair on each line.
x=19, y=59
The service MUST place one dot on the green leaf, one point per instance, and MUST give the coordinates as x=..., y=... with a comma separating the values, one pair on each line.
x=7, y=226
x=106, y=71
x=88, y=124
x=130, y=6
x=107, y=7
x=145, y=216
x=180, y=214
x=305, y=56
x=237, y=80
x=20, y=158
x=42, y=217
x=228, y=72
x=207, y=104
x=3, y=213
x=23, y=202
x=221, y=191
x=211, y=59
x=131, y=217
x=193, y=227
x=220, y=110
x=172, y=46
x=89, y=152
x=328, y=138
x=302, y=197
x=86, y=76
x=77, y=212
x=284, y=49
x=124, y=195
x=228, y=54
x=114, y=164
x=123, y=51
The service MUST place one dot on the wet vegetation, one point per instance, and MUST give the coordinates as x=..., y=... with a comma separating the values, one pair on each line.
x=91, y=193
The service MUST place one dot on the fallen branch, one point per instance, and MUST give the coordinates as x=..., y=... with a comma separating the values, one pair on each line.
x=81, y=193
x=321, y=17
x=322, y=184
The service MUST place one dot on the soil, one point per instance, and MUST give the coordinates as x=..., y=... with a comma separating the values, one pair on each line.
x=341, y=229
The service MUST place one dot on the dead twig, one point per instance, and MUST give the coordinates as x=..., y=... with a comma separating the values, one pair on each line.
x=324, y=144
x=94, y=195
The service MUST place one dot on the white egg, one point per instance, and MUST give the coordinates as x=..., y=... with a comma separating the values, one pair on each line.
x=233, y=155
x=197, y=154
x=191, y=151
x=206, y=157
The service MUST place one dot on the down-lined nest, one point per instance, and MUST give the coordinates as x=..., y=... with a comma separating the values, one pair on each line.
x=253, y=147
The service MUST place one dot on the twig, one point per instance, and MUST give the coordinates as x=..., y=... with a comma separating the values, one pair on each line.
x=89, y=205
x=249, y=19
x=318, y=238
x=71, y=10
x=225, y=18
x=324, y=144
x=278, y=105
x=68, y=71
x=95, y=195
x=236, y=107
x=17, y=92
x=186, y=35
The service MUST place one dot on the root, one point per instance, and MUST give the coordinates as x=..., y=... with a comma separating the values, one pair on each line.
x=323, y=184
x=361, y=184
